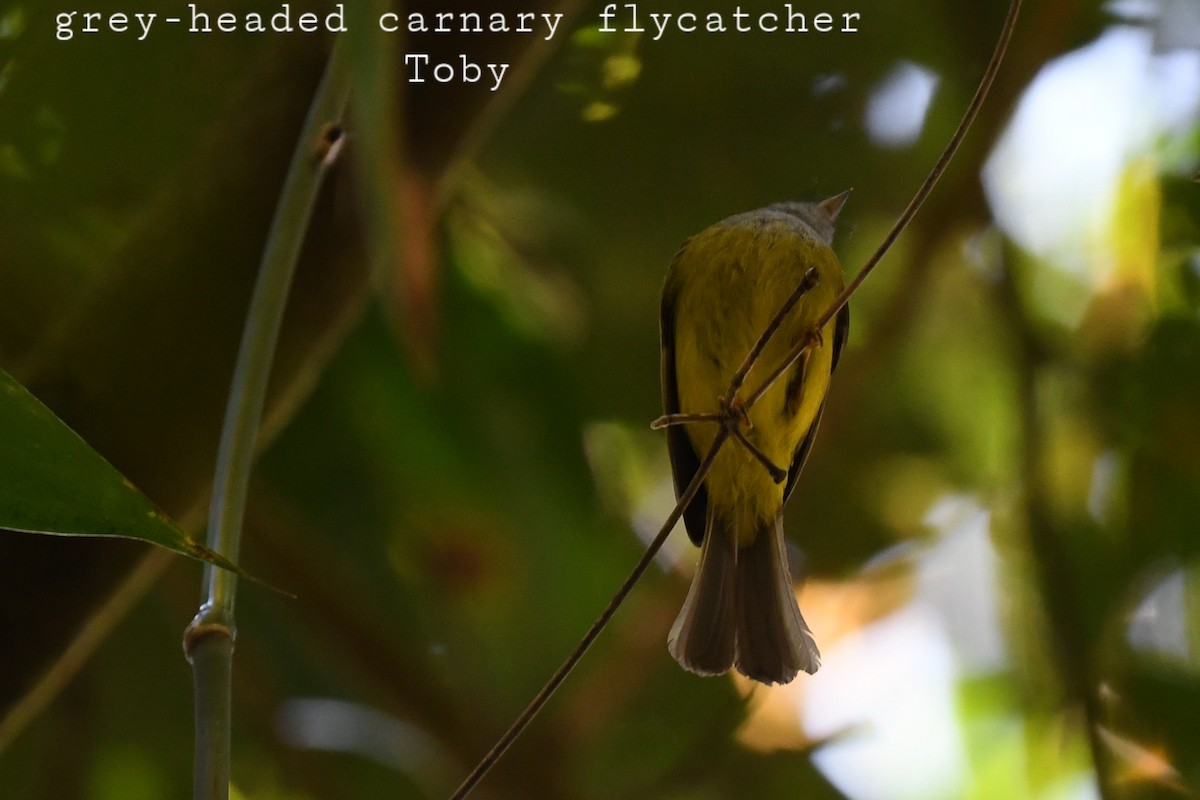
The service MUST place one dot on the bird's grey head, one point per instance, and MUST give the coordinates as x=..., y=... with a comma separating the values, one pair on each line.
x=817, y=216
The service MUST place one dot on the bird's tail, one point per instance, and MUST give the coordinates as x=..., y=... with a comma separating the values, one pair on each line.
x=773, y=640
x=703, y=637
x=741, y=610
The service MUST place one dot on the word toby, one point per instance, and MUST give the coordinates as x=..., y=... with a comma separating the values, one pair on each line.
x=465, y=71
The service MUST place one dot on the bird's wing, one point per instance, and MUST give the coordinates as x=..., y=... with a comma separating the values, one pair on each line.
x=684, y=461
x=840, y=332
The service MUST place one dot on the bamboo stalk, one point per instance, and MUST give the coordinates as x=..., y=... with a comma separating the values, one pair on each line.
x=208, y=641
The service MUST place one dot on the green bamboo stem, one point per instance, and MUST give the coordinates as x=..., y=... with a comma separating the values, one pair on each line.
x=212, y=666
x=209, y=639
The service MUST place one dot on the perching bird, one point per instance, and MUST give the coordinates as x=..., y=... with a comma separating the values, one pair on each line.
x=722, y=289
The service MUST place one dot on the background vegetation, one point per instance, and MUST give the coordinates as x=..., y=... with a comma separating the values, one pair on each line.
x=998, y=522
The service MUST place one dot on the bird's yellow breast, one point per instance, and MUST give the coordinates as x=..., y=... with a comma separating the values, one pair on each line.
x=731, y=280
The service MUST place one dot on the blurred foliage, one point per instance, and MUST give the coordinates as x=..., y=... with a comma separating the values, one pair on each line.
x=999, y=519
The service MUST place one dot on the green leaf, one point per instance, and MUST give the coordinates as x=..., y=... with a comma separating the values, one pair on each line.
x=52, y=482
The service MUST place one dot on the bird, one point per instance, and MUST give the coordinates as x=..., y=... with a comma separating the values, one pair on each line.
x=722, y=289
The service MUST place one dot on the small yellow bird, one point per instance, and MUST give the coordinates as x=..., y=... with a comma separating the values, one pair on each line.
x=722, y=290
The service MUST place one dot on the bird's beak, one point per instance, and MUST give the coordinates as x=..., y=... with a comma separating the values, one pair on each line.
x=833, y=205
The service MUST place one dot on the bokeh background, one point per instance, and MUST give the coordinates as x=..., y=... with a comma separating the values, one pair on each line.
x=996, y=539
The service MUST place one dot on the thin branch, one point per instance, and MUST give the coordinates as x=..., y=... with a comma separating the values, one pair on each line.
x=777, y=473
x=812, y=339
x=811, y=279
x=667, y=420
x=209, y=639
x=539, y=700
x=939, y=167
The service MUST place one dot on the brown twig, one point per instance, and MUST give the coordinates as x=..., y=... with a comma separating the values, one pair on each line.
x=778, y=474
x=811, y=279
x=667, y=420
x=939, y=167
x=543, y=695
